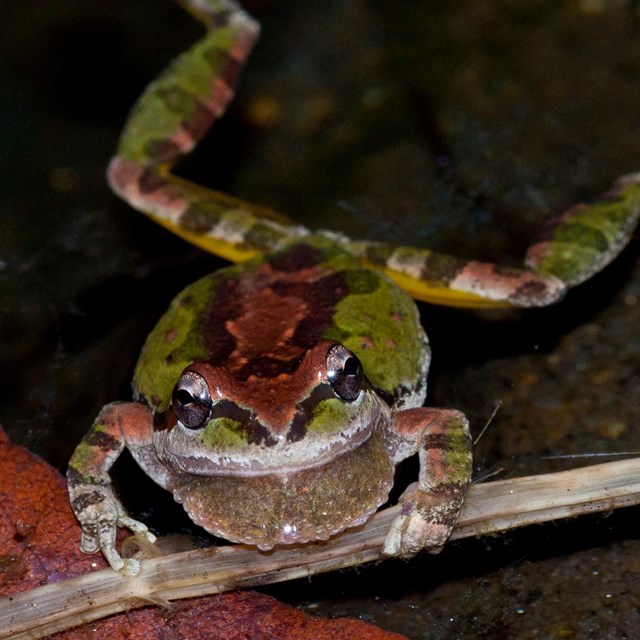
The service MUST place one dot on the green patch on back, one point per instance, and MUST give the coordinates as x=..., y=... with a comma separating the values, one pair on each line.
x=174, y=343
x=379, y=322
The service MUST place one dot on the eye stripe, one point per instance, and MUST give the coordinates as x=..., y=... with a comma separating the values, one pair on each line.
x=254, y=432
x=305, y=410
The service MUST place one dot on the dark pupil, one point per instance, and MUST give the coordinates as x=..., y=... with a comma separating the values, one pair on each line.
x=350, y=367
x=184, y=397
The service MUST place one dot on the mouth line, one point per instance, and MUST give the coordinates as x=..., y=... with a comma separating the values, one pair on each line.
x=292, y=458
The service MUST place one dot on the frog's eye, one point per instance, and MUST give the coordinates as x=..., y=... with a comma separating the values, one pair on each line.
x=344, y=372
x=191, y=400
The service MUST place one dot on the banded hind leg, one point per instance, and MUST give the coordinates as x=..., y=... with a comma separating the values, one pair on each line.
x=170, y=118
x=573, y=246
x=178, y=108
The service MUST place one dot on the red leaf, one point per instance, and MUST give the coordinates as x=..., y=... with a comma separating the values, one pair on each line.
x=39, y=539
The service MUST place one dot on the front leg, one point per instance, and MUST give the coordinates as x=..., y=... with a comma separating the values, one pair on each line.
x=92, y=498
x=431, y=506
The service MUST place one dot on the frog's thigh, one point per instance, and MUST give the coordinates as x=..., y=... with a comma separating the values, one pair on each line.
x=445, y=279
x=431, y=506
x=571, y=248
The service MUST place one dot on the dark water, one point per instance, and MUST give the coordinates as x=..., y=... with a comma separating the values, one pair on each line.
x=455, y=125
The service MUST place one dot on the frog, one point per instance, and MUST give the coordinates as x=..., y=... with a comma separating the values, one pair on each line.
x=276, y=396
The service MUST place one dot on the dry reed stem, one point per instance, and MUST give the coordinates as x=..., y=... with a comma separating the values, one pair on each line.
x=490, y=507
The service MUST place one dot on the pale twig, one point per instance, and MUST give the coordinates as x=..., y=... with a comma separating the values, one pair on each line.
x=488, y=422
x=489, y=507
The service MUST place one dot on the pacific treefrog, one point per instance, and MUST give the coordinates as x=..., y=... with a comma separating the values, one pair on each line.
x=275, y=397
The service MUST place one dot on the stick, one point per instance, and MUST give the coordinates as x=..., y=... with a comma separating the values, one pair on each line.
x=489, y=507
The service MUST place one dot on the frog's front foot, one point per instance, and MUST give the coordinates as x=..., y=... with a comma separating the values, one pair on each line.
x=425, y=522
x=100, y=513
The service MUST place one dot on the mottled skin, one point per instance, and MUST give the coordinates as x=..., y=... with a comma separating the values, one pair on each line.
x=274, y=398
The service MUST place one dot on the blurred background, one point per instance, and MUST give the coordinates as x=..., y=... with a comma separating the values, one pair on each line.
x=460, y=126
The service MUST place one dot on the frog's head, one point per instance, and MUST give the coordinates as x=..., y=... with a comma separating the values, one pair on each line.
x=268, y=416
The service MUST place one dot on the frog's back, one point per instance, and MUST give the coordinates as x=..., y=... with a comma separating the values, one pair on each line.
x=259, y=319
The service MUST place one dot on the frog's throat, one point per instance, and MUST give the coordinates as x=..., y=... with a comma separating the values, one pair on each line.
x=298, y=507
